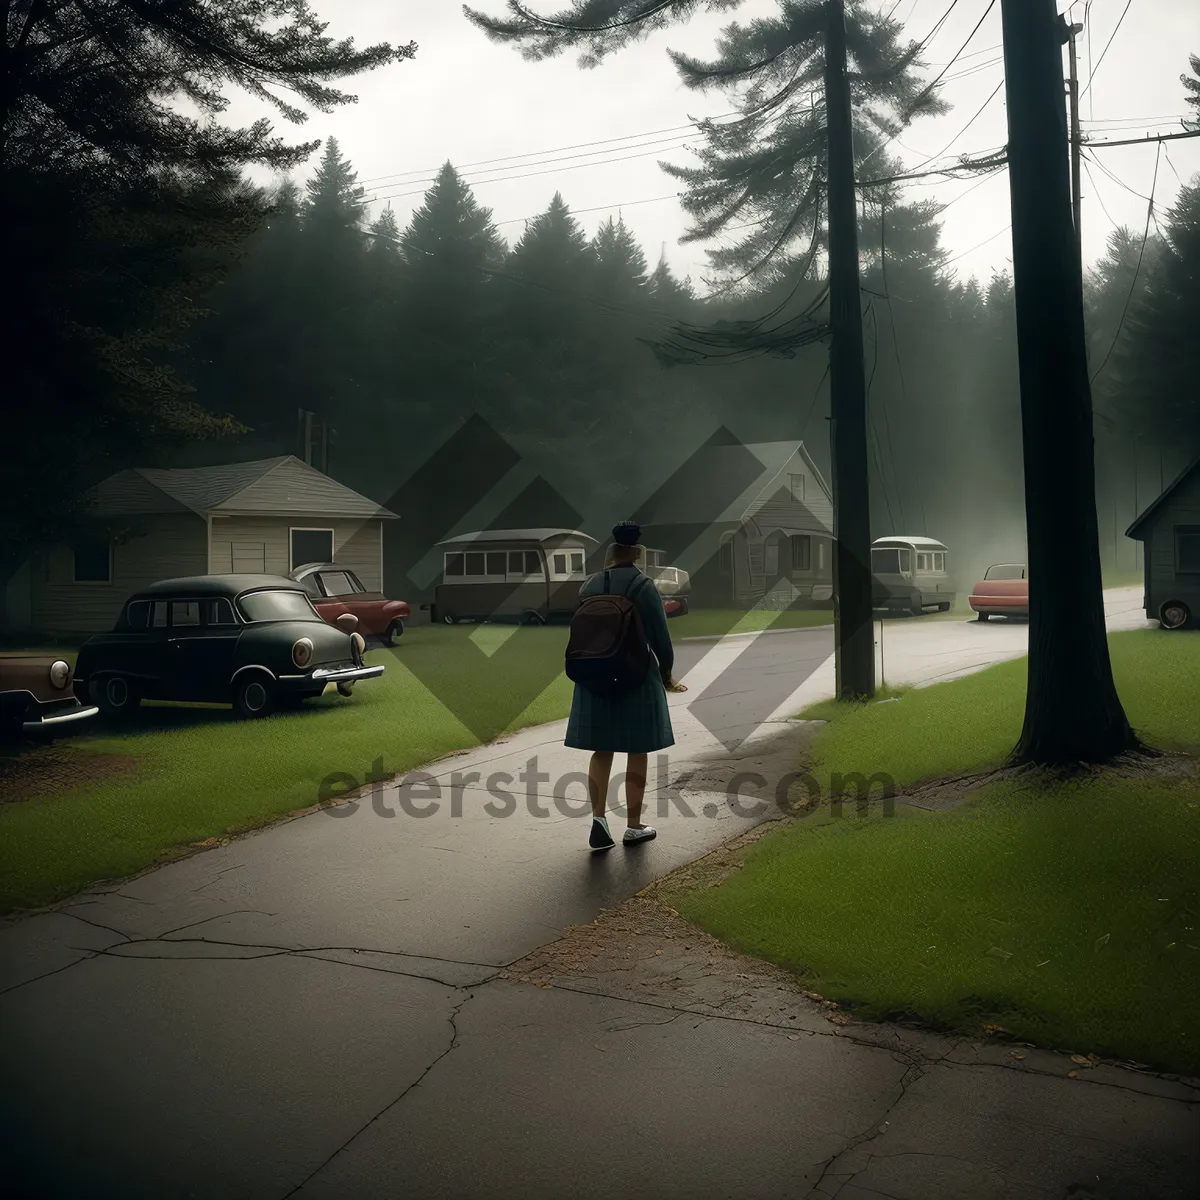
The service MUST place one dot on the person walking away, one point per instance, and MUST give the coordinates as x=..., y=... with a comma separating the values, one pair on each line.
x=627, y=715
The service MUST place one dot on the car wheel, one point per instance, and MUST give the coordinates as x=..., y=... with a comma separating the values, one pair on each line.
x=393, y=631
x=943, y=608
x=532, y=618
x=450, y=619
x=346, y=689
x=116, y=696
x=256, y=696
x=1174, y=615
x=984, y=616
x=917, y=609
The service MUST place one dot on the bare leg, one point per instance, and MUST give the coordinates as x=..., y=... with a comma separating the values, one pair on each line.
x=635, y=789
x=599, y=770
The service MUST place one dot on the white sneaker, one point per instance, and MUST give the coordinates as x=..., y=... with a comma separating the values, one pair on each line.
x=633, y=836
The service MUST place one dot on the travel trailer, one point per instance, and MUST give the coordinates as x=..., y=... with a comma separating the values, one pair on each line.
x=908, y=574
x=532, y=575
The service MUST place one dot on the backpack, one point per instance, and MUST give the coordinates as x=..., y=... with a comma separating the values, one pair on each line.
x=607, y=651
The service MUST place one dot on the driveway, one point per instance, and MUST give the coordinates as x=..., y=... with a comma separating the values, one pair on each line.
x=277, y=1016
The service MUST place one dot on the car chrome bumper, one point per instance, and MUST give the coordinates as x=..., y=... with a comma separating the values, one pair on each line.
x=345, y=674
x=63, y=718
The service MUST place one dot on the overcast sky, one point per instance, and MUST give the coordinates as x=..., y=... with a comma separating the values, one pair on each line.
x=500, y=118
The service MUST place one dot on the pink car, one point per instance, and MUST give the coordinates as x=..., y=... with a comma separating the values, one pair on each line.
x=1002, y=592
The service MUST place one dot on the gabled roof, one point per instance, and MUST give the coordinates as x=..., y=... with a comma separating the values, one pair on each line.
x=685, y=500
x=282, y=486
x=1134, y=531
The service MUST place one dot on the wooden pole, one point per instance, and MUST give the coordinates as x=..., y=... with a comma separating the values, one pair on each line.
x=854, y=640
x=1072, y=711
x=1076, y=145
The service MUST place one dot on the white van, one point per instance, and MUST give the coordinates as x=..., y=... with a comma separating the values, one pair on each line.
x=908, y=574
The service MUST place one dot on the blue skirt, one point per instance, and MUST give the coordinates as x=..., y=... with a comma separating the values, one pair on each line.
x=635, y=722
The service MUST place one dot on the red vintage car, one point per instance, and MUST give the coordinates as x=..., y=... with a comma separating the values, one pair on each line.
x=1002, y=592
x=336, y=590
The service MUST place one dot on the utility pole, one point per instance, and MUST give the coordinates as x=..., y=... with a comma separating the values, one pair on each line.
x=1072, y=711
x=1076, y=145
x=854, y=640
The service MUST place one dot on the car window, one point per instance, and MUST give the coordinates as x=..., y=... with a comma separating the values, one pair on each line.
x=885, y=562
x=337, y=583
x=137, y=614
x=276, y=604
x=355, y=582
x=533, y=563
x=159, y=618
x=310, y=585
x=218, y=612
x=185, y=614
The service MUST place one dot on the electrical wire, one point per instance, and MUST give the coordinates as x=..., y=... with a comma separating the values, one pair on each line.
x=531, y=174
x=489, y=162
x=1092, y=70
x=972, y=250
x=596, y=208
x=1137, y=270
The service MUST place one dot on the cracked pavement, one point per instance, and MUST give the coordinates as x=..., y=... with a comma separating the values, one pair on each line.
x=336, y=1006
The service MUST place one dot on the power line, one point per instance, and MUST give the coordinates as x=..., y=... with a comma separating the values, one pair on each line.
x=596, y=208
x=483, y=162
x=531, y=174
x=1137, y=270
x=978, y=246
x=1092, y=70
x=1096, y=193
x=1153, y=137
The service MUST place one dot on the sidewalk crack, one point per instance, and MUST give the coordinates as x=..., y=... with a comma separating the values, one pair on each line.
x=453, y=1044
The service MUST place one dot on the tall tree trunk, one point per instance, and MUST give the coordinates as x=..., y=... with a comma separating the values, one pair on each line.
x=1072, y=711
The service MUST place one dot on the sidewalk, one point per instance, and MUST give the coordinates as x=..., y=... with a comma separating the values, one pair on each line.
x=321, y=1009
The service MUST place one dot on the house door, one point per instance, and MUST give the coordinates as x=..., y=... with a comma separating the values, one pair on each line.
x=777, y=559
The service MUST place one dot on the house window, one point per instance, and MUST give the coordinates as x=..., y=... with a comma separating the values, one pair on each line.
x=185, y=614
x=725, y=556
x=1187, y=549
x=820, y=555
x=93, y=561
x=248, y=558
x=311, y=545
x=796, y=486
x=801, y=551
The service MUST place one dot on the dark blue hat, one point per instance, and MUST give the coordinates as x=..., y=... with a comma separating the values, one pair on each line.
x=627, y=533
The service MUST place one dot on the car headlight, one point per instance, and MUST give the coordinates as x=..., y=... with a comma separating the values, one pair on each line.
x=359, y=644
x=60, y=674
x=302, y=652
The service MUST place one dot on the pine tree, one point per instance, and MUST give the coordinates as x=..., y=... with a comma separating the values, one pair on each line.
x=1191, y=85
x=451, y=238
x=669, y=293
x=763, y=175
x=553, y=250
x=620, y=266
x=334, y=199
x=120, y=207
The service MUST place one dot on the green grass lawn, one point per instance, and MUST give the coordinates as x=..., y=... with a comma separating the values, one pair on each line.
x=1066, y=913
x=713, y=622
x=201, y=772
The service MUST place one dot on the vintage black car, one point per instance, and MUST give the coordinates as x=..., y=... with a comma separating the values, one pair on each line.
x=36, y=694
x=253, y=640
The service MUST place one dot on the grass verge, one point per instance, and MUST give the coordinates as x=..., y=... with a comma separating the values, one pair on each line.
x=201, y=773
x=1059, y=912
